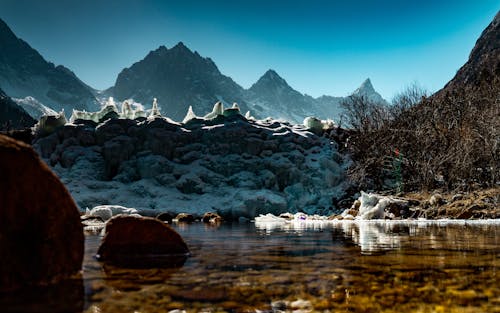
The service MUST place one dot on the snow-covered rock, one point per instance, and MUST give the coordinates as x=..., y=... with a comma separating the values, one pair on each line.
x=371, y=206
x=35, y=108
x=227, y=164
x=106, y=212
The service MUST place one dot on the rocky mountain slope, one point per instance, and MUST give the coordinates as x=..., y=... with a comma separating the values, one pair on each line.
x=24, y=72
x=483, y=65
x=13, y=116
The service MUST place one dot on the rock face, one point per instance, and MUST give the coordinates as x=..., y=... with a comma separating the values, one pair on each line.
x=131, y=239
x=24, y=72
x=41, y=237
x=13, y=116
x=230, y=165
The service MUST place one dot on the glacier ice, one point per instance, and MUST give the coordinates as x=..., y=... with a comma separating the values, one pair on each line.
x=155, y=111
x=216, y=111
x=106, y=212
x=316, y=125
x=189, y=115
x=49, y=123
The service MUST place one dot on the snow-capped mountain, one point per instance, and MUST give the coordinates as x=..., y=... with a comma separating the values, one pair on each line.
x=25, y=73
x=178, y=78
x=34, y=108
x=12, y=115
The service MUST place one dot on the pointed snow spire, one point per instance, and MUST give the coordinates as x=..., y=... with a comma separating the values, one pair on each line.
x=248, y=116
x=218, y=108
x=189, y=115
x=216, y=111
x=155, y=111
x=127, y=111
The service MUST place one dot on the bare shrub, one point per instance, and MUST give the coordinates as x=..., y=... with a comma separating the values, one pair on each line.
x=448, y=141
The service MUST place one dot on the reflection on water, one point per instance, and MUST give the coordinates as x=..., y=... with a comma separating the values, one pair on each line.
x=311, y=267
x=380, y=235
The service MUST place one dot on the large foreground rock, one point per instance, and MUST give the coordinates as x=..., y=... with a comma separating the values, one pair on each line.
x=141, y=241
x=41, y=237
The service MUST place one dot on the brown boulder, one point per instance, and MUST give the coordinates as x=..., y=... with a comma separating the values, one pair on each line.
x=141, y=241
x=184, y=218
x=165, y=217
x=211, y=217
x=41, y=236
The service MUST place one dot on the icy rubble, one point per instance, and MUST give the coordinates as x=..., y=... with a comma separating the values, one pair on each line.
x=223, y=162
x=106, y=212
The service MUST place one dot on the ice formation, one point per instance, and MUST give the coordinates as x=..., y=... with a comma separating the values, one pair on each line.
x=155, y=111
x=110, y=110
x=189, y=115
x=316, y=125
x=217, y=110
x=106, y=212
x=49, y=123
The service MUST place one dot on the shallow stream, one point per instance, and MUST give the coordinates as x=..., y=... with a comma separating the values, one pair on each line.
x=345, y=266
x=303, y=267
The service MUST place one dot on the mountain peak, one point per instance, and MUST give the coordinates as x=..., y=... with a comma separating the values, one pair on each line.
x=271, y=79
x=367, y=85
x=366, y=88
x=180, y=47
x=270, y=73
x=6, y=34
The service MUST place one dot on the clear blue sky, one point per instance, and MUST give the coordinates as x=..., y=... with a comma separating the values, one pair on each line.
x=319, y=47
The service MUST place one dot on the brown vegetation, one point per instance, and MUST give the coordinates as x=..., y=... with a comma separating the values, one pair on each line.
x=450, y=140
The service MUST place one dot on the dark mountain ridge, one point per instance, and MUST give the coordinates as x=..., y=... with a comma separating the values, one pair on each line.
x=24, y=72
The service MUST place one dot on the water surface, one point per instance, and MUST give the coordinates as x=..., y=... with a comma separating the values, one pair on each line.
x=341, y=267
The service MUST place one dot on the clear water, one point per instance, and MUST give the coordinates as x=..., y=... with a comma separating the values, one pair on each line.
x=353, y=267
x=311, y=267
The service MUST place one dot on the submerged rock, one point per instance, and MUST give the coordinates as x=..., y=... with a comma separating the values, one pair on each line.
x=41, y=236
x=141, y=242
